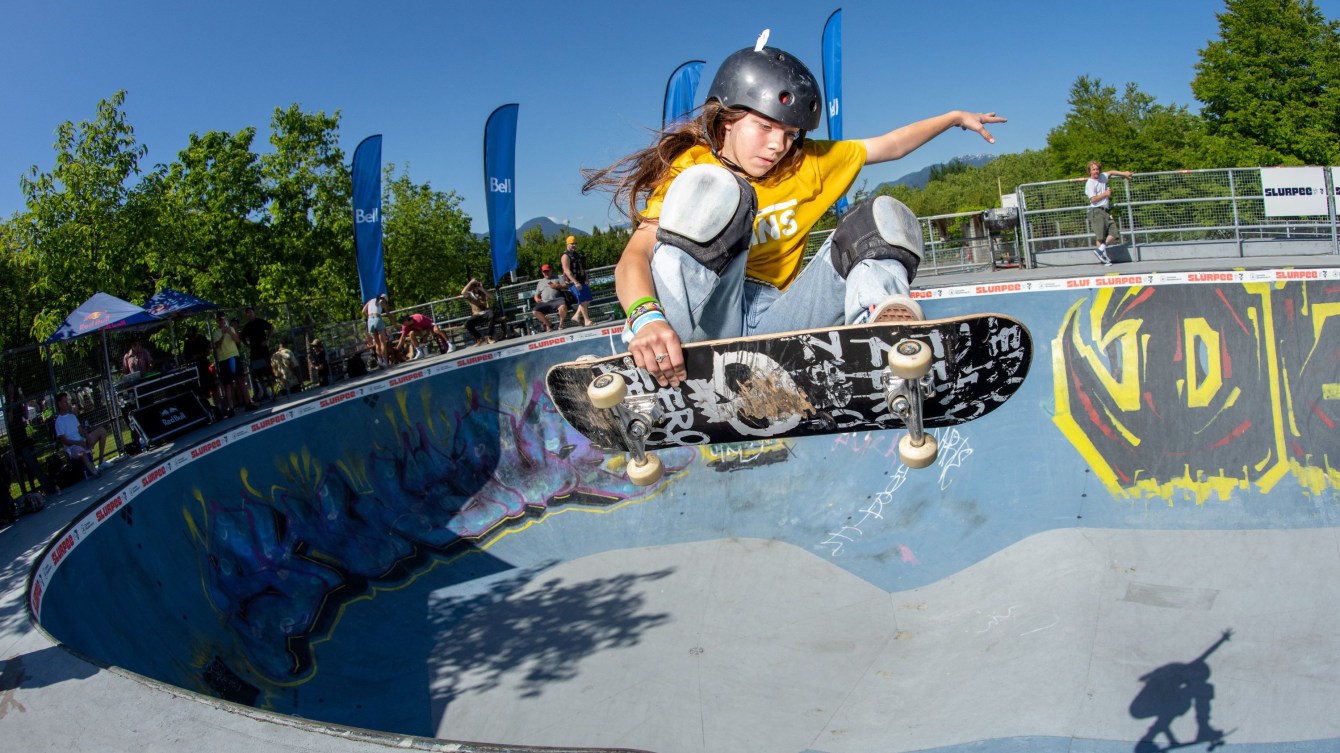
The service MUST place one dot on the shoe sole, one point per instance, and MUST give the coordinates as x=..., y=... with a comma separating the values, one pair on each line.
x=895, y=313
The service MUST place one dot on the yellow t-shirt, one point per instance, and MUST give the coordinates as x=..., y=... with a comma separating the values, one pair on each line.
x=788, y=205
x=224, y=347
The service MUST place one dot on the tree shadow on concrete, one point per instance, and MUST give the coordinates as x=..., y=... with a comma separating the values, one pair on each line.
x=41, y=668
x=1170, y=692
x=534, y=634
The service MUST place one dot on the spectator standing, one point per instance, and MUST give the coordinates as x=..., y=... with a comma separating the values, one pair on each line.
x=317, y=363
x=574, y=271
x=25, y=450
x=137, y=360
x=195, y=351
x=256, y=334
x=376, y=310
x=232, y=385
x=1104, y=228
x=285, y=367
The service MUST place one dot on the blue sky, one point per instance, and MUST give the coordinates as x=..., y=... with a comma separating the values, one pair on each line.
x=589, y=76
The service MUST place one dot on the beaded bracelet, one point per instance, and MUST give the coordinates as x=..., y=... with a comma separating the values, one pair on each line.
x=643, y=309
x=647, y=318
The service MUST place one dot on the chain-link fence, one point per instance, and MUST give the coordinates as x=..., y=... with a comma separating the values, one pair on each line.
x=1190, y=209
x=955, y=243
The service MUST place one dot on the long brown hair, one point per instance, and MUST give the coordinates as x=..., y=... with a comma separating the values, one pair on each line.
x=633, y=178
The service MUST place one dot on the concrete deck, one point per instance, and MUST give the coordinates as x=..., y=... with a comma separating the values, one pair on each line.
x=1145, y=536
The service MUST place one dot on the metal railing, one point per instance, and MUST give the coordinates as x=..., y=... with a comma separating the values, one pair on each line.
x=1181, y=214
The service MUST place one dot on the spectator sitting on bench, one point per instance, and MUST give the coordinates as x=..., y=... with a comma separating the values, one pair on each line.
x=549, y=298
x=481, y=310
x=411, y=326
x=79, y=441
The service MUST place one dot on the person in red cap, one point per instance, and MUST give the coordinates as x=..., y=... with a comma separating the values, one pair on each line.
x=549, y=298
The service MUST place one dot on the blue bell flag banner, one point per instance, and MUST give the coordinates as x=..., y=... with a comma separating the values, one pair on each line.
x=680, y=92
x=367, y=179
x=500, y=187
x=832, y=59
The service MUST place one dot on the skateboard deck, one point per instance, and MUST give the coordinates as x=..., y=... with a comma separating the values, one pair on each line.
x=805, y=383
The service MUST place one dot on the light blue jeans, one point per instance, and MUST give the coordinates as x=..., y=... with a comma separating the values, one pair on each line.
x=702, y=306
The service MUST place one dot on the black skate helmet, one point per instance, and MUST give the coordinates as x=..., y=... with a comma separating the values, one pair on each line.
x=772, y=83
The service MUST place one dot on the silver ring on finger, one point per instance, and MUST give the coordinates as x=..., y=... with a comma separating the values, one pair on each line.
x=662, y=357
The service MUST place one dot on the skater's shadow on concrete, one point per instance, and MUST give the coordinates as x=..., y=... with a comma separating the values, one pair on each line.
x=1170, y=692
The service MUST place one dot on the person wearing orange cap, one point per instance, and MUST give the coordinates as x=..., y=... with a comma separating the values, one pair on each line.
x=574, y=271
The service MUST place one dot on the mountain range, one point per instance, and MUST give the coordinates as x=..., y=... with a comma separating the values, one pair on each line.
x=920, y=178
x=549, y=228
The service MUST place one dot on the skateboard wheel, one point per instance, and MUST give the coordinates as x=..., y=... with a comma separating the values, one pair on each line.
x=647, y=472
x=910, y=359
x=918, y=457
x=606, y=390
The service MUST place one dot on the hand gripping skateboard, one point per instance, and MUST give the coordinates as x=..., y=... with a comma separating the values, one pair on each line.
x=912, y=375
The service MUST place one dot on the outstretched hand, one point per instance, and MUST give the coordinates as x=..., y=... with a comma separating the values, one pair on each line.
x=976, y=121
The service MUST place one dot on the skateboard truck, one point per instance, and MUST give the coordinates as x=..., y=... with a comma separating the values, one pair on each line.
x=907, y=383
x=635, y=416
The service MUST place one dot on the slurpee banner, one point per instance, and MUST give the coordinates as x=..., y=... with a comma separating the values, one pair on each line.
x=680, y=92
x=832, y=60
x=1294, y=191
x=500, y=185
x=367, y=178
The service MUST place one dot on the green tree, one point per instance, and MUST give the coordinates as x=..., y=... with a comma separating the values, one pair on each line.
x=75, y=233
x=430, y=251
x=311, y=248
x=16, y=280
x=1130, y=132
x=1271, y=82
x=603, y=247
x=207, y=210
x=534, y=250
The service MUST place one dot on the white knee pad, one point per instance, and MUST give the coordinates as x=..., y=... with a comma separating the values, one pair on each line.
x=881, y=228
x=897, y=225
x=709, y=214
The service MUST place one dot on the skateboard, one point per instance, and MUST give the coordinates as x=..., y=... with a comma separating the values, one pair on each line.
x=912, y=375
x=1210, y=743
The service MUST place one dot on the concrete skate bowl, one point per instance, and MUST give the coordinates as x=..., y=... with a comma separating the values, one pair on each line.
x=1139, y=547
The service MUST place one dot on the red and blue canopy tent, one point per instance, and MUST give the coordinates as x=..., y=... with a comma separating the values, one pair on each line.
x=102, y=313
